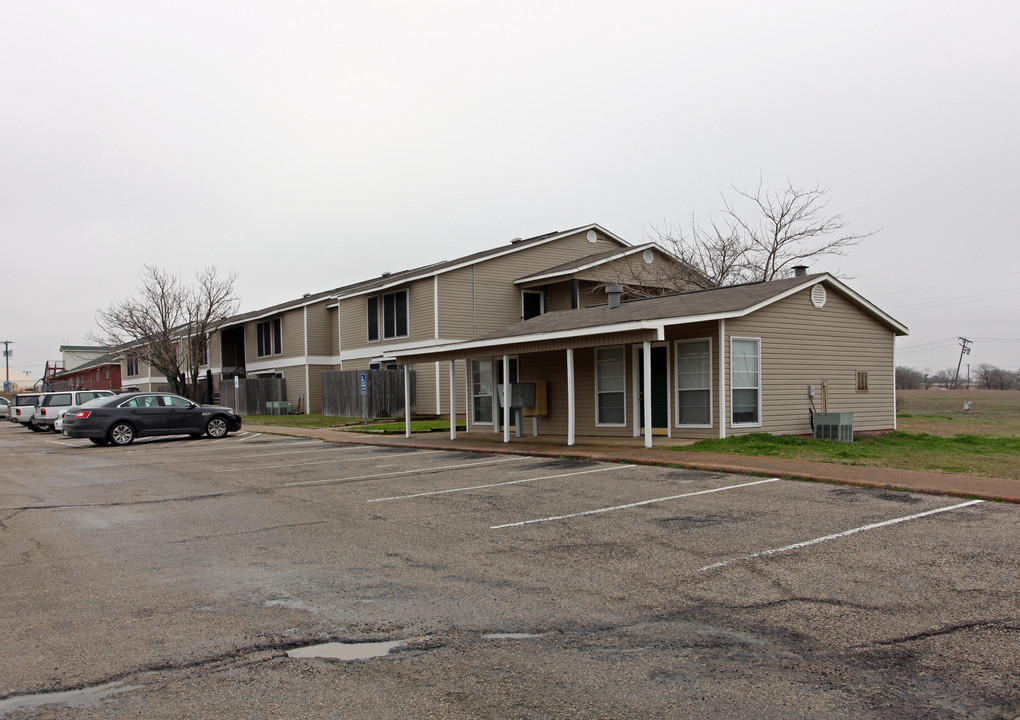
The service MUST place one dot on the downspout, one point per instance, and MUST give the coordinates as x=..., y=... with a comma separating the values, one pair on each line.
x=722, y=378
x=308, y=372
x=571, y=412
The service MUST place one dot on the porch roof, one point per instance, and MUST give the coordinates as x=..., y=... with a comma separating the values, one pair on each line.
x=644, y=318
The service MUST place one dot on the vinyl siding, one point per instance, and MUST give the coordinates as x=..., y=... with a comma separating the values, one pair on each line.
x=456, y=303
x=321, y=330
x=802, y=345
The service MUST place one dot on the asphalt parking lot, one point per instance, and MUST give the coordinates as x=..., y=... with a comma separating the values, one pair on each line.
x=170, y=578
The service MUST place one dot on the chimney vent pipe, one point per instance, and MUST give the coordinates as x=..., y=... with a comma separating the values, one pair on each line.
x=614, y=292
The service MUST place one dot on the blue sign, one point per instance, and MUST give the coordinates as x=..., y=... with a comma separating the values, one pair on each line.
x=364, y=384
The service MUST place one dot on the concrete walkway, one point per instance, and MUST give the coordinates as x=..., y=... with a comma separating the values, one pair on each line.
x=632, y=450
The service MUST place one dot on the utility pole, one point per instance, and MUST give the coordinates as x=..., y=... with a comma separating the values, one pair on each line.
x=7, y=362
x=964, y=350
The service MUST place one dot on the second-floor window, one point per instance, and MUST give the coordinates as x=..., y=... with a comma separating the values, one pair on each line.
x=392, y=314
x=270, y=337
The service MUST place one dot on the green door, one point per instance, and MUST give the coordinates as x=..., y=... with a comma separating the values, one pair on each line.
x=660, y=388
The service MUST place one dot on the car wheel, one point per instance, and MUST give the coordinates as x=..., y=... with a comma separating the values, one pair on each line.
x=35, y=428
x=217, y=427
x=122, y=434
x=99, y=441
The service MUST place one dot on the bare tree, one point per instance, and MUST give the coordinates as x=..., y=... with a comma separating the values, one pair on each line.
x=778, y=231
x=167, y=326
x=991, y=377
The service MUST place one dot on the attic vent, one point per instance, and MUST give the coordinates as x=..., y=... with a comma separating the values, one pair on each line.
x=818, y=296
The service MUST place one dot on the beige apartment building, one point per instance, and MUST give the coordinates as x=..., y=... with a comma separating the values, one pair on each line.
x=369, y=324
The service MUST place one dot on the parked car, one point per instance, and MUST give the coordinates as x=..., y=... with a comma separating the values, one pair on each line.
x=5, y=407
x=122, y=418
x=22, y=409
x=50, y=405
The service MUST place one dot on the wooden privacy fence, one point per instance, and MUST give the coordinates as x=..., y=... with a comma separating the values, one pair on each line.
x=252, y=394
x=341, y=393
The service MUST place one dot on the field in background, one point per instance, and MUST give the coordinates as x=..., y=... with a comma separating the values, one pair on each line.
x=941, y=412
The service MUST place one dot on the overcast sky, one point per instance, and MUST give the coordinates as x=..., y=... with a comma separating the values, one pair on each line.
x=307, y=145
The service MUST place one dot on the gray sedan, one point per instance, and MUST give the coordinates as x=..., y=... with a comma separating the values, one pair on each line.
x=122, y=418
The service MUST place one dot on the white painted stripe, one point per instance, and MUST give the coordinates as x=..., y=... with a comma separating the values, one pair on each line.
x=405, y=472
x=872, y=526
x=207, y=445
x=630, y=505
x=492, y=485
x=320, y=462
x=250, y=436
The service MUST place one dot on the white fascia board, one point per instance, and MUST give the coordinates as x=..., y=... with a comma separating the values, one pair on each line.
x=581, y=268
x=656, y=325
x=271, y=364
x=379, y=350
x=468, y=263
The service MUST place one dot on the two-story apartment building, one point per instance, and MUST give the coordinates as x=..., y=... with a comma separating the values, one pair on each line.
x=367, y=324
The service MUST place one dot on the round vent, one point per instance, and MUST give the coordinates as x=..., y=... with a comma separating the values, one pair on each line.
x=648, y=256
x=818, y=296
x=592, y=236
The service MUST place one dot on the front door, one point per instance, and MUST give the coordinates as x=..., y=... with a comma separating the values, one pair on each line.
x=660, y=389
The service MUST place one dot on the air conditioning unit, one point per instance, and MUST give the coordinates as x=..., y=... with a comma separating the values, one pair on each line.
x=834, y=426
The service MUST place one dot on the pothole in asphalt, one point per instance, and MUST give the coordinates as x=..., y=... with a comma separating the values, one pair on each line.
x=92, y=696
x=346, y=651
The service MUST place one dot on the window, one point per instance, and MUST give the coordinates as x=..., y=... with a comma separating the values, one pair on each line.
x=132, y=365
x=270, y=337
x=395, y=314
x=373, y=318
x=862, y=381
x=481, y=391
x=532, y=304
x=610, y=383
x=694, y=382
x=745, y=381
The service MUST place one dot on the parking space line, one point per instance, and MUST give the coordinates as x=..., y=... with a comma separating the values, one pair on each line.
x=492, y=485
x=374, y=456
x=630, y=505
x=835, y=536
x=250, y=436
x=404, y=472
x=207, y=445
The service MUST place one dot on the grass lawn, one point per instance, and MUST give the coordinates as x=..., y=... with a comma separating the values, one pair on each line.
x=353, y=424
x=983, y=455
x=304, y=421
x=935, y=433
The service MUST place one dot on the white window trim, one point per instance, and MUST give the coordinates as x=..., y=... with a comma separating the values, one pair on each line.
x=382, y=314
x=711, y=390
x=595, y=368
x=471, y=390
x=272, y=336
x=541, y=301
x=378, y=314
x=733, y=387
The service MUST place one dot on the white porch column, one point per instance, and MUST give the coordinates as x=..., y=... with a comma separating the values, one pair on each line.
x=571, y=413
x=647, y=390
x=407, y=401
x=506, y=398
x=453, y=400
x=722, y=379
